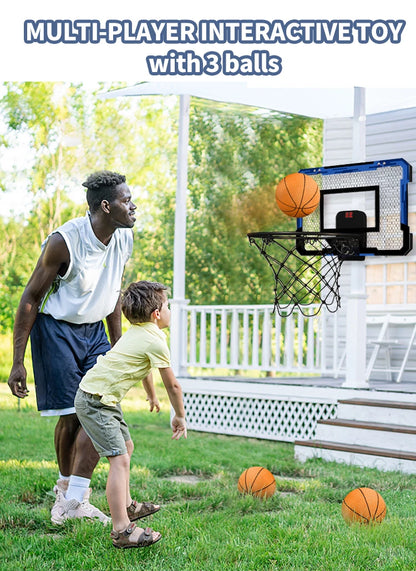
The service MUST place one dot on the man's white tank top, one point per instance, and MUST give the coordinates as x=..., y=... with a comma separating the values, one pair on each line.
x=90, y=288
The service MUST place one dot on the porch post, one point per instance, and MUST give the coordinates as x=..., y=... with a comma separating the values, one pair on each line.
x=356, y=334
x=178, y=324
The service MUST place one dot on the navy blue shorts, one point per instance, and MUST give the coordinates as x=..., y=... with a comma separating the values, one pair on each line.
x=62, y=353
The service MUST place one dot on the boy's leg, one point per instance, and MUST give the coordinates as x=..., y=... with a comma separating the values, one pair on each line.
x=130, y=448
x=125, y=533
x=117, y=490
x=136, y=510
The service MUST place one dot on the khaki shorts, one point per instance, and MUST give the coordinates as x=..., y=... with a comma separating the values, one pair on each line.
x=104, y=424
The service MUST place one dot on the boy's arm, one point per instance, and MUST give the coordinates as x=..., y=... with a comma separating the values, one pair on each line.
x=174, y=391
x=151, y=393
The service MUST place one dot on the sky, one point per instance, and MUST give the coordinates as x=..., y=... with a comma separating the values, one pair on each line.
x=302, y=44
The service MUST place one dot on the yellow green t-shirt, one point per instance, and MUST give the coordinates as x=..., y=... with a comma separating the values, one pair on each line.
x=142, y=348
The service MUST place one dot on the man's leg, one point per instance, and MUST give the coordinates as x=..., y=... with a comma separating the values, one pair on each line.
x=85, y=456
x=66, y=430
x=75, y=452
x=77, y=458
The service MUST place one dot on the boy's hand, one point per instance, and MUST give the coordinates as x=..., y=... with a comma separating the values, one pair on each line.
x=153, y=404
x=178, y=427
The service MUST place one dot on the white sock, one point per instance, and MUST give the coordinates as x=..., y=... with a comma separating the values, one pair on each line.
x=77, y=488
x=63, y=477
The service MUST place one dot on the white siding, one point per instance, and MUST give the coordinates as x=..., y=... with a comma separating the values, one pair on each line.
x=388, y=135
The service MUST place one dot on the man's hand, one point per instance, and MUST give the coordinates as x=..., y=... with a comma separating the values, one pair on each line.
x=17, y=381
x=153, y=404
x=178, y=427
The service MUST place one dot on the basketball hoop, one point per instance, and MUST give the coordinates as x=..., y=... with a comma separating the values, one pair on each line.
x=306, y=267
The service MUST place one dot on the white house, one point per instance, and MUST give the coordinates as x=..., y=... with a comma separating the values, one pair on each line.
x=304, y=407
x=310, y=357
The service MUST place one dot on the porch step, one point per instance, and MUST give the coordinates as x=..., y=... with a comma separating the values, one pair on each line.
x=370, y=425
x=357, y=448
x=367, y=432
x=376, y=434
x=365, y=456
x=380, y=411
x=380, y=403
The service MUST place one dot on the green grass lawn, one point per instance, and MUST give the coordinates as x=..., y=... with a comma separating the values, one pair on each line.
x=206, y=523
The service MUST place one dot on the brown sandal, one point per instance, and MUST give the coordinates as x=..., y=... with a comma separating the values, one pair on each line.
x=137, y=511
x=121, y=539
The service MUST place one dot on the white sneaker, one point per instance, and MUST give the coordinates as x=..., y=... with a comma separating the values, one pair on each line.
x=64, y=509
x=56, y=512
x=61, y=486
x=95, y=512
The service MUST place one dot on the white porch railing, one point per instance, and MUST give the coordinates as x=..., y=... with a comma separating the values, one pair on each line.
x=242, y=337
x=255, y=338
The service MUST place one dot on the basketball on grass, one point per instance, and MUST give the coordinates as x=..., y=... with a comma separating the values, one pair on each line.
x=363, y=505
x=257, y=481
x=297, y=195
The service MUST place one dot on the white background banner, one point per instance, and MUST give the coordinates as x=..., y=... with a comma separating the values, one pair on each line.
x=271, y=44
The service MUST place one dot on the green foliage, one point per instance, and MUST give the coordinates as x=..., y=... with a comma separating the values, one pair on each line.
x=66, y=131
x=236, y=156
x=15, y=262
x=206, y=524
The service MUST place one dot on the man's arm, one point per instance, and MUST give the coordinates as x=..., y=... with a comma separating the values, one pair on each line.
x=174, y=390
x=114, y=323
x=54, y=260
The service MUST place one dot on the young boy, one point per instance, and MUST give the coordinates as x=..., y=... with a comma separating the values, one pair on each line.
x=97, y=403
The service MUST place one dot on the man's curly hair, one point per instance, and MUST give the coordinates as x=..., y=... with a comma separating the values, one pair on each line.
x=101, y=186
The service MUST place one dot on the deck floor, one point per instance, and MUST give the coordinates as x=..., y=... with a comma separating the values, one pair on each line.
x=375, y=385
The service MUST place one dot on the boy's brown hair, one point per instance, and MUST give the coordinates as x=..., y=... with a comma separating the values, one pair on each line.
x=140, y=299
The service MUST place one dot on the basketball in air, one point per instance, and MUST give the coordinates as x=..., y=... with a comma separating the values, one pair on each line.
x=297, y=195
x=257, y=481
x=363, y=505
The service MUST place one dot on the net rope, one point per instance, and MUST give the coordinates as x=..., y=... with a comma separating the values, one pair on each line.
x=306, y=268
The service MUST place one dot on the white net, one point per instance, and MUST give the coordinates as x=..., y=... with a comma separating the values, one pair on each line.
x=302, y=279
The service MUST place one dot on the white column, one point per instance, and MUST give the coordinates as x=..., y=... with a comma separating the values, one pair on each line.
x=356, y=334
x=178, y=303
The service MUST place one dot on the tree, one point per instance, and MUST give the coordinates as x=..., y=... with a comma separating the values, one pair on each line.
x=66, y=132
x=69, y=131
x=237, y=157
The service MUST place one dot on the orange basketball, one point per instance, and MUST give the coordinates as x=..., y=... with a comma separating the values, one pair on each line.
x=363, y=505
x=257, y=481
x=297, y=195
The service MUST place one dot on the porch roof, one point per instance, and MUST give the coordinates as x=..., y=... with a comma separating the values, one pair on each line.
x=322, y=103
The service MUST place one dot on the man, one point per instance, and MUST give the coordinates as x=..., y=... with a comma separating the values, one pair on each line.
x=74, y=286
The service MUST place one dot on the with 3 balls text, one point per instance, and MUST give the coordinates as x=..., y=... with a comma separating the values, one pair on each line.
x=259, y=62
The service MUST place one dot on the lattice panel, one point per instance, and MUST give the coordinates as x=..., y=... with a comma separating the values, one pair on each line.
x=255, y=417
